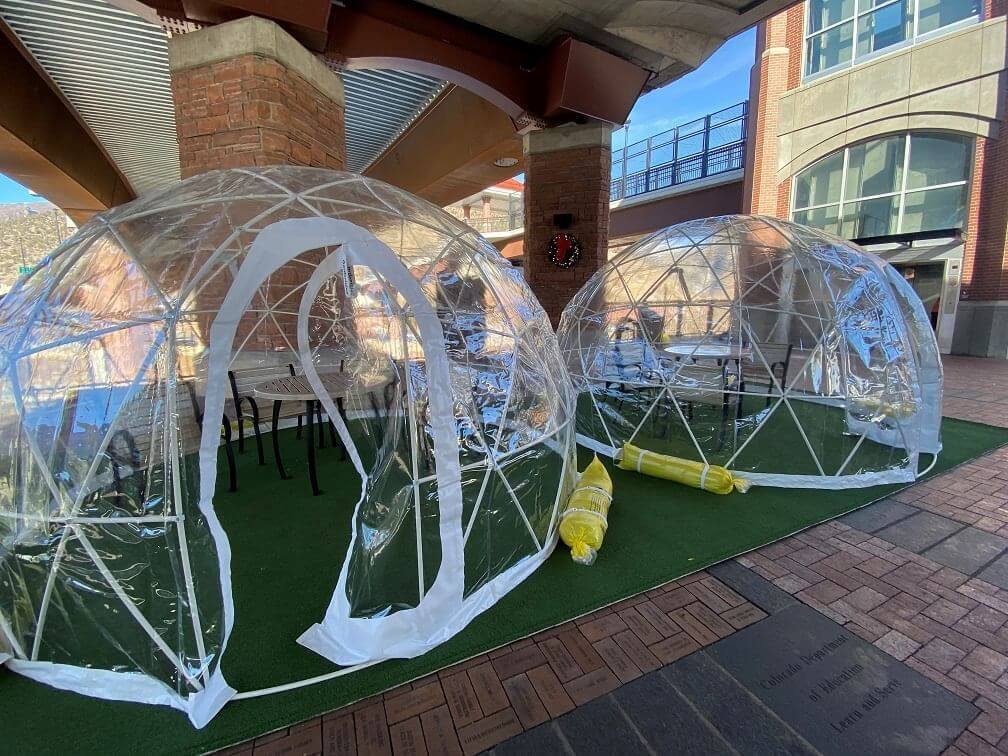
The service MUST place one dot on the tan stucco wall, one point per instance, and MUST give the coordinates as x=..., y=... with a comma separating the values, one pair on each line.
x=955, y=82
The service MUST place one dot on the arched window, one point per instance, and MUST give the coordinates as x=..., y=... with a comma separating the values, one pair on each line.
x=897, y=184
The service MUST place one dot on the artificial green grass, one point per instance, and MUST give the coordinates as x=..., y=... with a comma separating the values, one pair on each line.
x=287, y=548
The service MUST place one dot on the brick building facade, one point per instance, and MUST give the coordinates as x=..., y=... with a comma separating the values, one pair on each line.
x=946, y=82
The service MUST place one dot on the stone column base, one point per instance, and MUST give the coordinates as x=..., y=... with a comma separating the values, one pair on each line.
x=981, y=329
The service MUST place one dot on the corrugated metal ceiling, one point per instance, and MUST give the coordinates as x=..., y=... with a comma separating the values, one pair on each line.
x=112, y=67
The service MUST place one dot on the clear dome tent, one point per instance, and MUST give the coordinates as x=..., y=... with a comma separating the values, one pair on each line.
x=780, y=352
x=115, y=354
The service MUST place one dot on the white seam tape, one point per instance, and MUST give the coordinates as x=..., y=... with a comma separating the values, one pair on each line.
x=596, y=489
x=640, y=458
x=703, y=475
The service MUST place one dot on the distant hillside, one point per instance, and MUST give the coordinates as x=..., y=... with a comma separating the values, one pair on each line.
x=28, y=232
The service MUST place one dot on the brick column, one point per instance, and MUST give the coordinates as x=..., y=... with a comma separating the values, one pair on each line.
x=567, y=170
x=247, y=93
x=777, y=70
x=981, y=327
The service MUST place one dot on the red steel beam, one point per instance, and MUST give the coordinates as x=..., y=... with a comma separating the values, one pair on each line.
x=565, y=80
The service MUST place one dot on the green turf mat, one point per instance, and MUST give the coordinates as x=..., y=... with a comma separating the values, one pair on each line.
x=287, y=548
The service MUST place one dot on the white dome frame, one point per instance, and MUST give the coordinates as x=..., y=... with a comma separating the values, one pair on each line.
x=917, y=339
x=357, y=642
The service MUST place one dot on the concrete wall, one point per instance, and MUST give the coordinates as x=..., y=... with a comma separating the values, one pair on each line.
x=955, y=82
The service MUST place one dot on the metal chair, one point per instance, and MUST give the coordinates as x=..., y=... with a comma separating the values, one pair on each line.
x=225, y=431
x=778, y=359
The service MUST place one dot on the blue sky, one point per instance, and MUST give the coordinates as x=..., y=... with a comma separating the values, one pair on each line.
x=12, y=192
x=723, y=80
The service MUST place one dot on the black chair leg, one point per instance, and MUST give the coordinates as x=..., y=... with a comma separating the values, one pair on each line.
x=258, y=434
x=300, y=418
x=232, y=468
x=342, y=411
x=321, y=429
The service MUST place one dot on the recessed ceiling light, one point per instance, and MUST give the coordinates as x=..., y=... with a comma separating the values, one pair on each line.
x=506, y=162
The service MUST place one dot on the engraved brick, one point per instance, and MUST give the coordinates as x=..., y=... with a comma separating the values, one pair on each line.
x=414, y=702
x=372, y=731
x=461, y=697
x=408, y=738
x=525, y=701
x=581, y=650
x=602, y=627
x=301, y=743
x=710, y=620
x=551, y=691
x=640, y=626
x=439, y=732
x=518, y=661
x=723, y=592
x=694, y=627
x=617, y=660
x=489, y=731
x=338, y=737
x=658, y=618
x=596, y=683
x=743, y=616
x=489, y=691
x=708, y=597
x=676, y=647
x=673, y=600
x=560, y=659
x=639, y=654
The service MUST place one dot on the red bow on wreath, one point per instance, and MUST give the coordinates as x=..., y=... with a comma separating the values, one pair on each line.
x=564, y=250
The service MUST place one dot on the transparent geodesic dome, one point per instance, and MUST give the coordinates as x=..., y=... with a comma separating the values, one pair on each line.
x=116, y=402
x=778, y=351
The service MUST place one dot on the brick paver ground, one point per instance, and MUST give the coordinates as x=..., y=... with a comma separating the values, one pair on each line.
x=932, y=593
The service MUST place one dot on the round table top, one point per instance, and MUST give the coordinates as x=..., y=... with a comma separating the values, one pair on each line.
x=298, y=388
x=718, y=350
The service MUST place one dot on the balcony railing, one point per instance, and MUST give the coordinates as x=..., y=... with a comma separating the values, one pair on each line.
x=495, y=222
x=704, y=147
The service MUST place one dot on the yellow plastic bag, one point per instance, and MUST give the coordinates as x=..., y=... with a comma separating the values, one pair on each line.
x=585, y=518
x=708, y=477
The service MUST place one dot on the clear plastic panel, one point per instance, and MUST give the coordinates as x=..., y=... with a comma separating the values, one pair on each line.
x=130, y=354
x=727, y=339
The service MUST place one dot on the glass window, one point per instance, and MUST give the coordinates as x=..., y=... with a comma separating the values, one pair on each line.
x=830, y=48
x=820, y=184
x=884, y=27
x=874, y=167
x=934, y=14
x=938, y=159
x=935, y=209
x=872, y=217
x=876, y=199
x=823, y=13
x=826, y=218
x=842, y=32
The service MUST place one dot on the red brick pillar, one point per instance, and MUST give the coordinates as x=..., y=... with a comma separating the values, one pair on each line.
x=981, y=326
x=567, y=171
x=247, y=93
x=777, y=70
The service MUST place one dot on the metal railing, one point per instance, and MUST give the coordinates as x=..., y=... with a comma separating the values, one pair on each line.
x=495, y=222
x=705, y=147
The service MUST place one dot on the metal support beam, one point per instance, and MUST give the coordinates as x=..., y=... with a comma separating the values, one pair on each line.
x=43, y=144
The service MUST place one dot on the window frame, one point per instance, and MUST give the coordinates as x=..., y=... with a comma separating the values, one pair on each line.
x=912, y=39
x=902, y=193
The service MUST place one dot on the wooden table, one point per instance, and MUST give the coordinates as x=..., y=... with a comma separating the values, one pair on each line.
x=296, y=388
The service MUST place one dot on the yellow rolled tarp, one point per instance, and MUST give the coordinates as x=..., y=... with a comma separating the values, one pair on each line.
x=584, y=520
x=707, y=477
